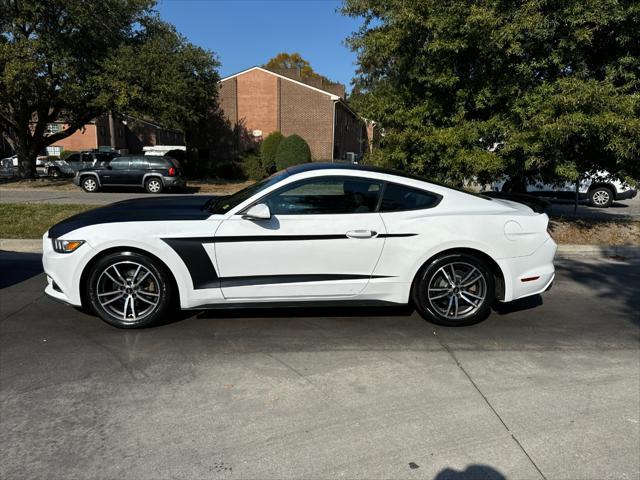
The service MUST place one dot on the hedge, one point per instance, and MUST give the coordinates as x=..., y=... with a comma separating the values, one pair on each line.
x=268, y=151
x=293, y=150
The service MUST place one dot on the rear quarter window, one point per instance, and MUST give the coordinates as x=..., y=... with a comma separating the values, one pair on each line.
x=398, y=198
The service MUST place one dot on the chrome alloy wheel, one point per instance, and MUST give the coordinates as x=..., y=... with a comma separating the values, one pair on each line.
x=90, y=184
x=128, y=291
x=601, y=198
x=457, y=290
x=154, y=186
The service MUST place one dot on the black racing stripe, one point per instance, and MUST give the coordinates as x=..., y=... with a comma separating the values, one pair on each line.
x=155, y=209
x=393, y=235
x=276, y=279
x=203, y=274
x=281, y=238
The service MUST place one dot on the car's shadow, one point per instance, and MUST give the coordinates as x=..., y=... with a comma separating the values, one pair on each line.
x=16, y=267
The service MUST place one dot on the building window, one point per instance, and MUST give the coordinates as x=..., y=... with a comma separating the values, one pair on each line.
x=120, y=132
x=103, y=132
x=53, y=128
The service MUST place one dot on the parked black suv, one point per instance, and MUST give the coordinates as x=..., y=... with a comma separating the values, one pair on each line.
x=153, y=173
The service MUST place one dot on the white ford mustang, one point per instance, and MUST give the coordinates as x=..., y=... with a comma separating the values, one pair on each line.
x=309, y=235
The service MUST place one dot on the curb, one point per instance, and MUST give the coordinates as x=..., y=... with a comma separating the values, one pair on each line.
x=564, y=251
x=28, y=245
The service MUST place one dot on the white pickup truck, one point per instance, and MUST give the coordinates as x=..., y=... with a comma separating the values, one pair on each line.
x=601, y=189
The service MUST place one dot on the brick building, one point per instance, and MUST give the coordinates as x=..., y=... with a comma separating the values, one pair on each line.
x=129, y=135
x=261, y=101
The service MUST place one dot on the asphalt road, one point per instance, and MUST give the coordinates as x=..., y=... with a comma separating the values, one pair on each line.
x=539, y=390
x=623, y=209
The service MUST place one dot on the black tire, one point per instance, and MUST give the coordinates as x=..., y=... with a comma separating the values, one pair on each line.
x=54, y=172
x=136, y=280
x=431, y=282
x=601, y=197
x=153, y=185
x=89, y=184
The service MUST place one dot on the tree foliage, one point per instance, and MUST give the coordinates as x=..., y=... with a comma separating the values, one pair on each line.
x=476, y=89
x=293, y=150
x=268, y=151
x=294, y=61
x=74, y=60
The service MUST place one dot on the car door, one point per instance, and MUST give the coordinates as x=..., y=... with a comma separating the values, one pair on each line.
x=323, y=239
x=137, y=169
x=116, y=173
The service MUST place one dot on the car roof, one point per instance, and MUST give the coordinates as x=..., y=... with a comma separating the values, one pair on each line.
x=312, y=166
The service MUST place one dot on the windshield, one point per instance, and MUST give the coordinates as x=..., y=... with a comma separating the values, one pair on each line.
x=224, y=204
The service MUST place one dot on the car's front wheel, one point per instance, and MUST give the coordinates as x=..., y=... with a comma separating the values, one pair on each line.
x=89, y=184
x=601, y=197
x=454, y=290
x=129, y=290
x=153, y=185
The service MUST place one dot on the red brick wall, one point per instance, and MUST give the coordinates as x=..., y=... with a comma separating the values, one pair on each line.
x=348, y=133
x=228, y=100
x=309, y=114
x=83, y=139
x=257, y=101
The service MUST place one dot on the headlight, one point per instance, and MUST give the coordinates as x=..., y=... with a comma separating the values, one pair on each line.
x=66, y=246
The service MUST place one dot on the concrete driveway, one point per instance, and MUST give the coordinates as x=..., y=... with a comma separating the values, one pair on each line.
x=546, y=388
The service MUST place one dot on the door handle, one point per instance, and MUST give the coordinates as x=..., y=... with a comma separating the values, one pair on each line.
x=361, y=234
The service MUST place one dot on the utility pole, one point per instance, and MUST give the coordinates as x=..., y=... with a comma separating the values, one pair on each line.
x=112, y=131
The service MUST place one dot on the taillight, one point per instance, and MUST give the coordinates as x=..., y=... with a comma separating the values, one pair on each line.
x=172, y=172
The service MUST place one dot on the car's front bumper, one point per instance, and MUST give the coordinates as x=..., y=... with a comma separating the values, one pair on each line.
x=627, y=195
x=64, y=271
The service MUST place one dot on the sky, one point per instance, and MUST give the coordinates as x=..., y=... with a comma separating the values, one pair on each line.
x=246, y=33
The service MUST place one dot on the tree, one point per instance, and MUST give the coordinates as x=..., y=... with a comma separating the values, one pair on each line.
x=293, y=150
x=484, y=88
x=268, y=151
x=73, y=60
x=288, y=61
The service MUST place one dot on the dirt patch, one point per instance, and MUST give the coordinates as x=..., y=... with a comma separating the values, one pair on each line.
x=581, y=231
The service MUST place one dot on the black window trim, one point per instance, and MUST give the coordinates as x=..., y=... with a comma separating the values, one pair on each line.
x=383, y=188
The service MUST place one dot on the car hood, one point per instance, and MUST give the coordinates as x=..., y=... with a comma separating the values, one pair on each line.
x=180, y=207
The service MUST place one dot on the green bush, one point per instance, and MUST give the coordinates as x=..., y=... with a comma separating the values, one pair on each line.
x=293, y=150
x=268, y=151
x=252, y=167
x=229, y=170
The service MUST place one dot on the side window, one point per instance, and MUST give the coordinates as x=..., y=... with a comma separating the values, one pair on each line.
x=74, y=157
x=399, y=198
x=329, y=195
x=139, y=163
x=120, y=164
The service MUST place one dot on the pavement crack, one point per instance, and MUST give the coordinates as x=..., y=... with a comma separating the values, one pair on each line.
x=290, y=368
x=486, y=400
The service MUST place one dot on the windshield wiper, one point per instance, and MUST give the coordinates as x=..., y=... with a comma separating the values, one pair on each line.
x=212, y=203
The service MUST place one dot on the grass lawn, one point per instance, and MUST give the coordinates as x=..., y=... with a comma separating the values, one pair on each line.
x=31, y=220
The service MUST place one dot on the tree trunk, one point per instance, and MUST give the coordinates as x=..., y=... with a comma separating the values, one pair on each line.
x=27, y=152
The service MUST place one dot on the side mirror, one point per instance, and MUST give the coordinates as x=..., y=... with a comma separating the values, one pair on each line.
x=258, y=212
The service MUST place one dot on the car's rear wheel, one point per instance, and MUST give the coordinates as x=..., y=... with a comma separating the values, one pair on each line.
x=129, y=290
x=153, y=185
x=601, y=197
x=89, y=184
x=54, y=172
x=455, y=290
